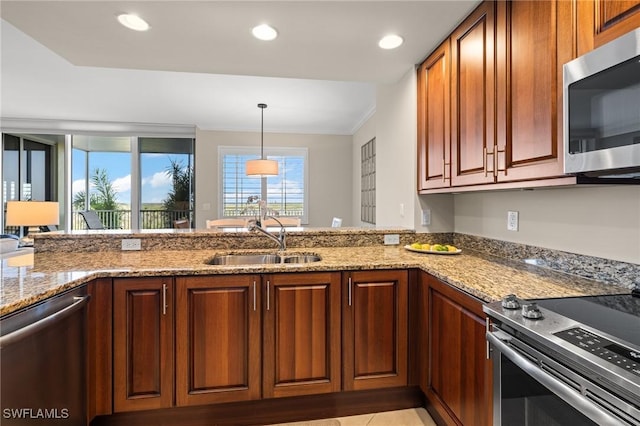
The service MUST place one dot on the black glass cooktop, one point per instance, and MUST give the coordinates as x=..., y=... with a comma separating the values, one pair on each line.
x=616, y=315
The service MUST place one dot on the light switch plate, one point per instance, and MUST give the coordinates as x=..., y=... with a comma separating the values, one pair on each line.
x=131, y=244
x=391, y=239
x=512, y=221
x=426, y=217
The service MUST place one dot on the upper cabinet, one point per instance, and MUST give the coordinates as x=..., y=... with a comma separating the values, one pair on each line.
x=434, y=153
x=532, y=46
x=600, y=21
x=503, y=94
x=473, y=97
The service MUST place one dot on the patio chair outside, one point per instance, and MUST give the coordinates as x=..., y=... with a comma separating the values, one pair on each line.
x=92, y=219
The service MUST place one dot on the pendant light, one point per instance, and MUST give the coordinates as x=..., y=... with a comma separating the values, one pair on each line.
x=262, y=167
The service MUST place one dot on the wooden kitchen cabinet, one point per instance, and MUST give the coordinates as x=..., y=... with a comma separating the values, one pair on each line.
x=434, y=108
x=375, y=315
x=99, y=348
x=473, y=99
x=505, y=98
x=534, y=40
x=218, y=339
x=301, y=334
x=142, y=343
x=600, y=21
x=459, y=375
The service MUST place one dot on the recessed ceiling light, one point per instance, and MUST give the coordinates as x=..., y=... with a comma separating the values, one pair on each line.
x=133, y=22
x=390, y=41
x=264, y=32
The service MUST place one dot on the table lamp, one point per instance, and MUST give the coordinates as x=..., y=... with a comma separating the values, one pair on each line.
x=31, y=214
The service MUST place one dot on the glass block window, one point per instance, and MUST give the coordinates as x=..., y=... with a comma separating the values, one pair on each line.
x=368, y=183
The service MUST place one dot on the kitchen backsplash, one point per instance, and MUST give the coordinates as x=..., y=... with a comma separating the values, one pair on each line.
x=604, y=270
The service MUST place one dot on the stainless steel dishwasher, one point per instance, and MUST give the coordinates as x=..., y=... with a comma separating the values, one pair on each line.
x=42, y=362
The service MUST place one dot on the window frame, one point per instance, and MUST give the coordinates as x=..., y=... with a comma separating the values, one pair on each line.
x=268, y=153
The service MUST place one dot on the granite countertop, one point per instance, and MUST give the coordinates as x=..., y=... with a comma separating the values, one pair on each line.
x=29, y=278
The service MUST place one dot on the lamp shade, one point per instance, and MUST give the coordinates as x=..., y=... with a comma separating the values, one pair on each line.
x=32, y=213
x=261, y=167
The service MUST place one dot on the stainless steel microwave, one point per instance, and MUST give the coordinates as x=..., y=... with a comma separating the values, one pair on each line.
x=602, y=110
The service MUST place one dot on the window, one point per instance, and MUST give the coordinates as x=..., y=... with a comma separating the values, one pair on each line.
x=28, y=169
x=368, y=184
x=166, y=181
x=133, y=182
x=285, y=194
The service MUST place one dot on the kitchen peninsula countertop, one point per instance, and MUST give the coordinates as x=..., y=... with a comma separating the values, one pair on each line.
x=30, y=278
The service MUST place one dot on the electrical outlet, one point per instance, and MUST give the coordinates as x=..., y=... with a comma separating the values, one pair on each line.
x=131, y=244
x=512, y=221
x=391, y=239
x=401, y=209
x=426, y=217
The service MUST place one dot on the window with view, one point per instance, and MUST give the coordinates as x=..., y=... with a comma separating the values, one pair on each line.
x=285, y=194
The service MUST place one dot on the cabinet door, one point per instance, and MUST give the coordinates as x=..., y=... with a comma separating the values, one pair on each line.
x=375, y=330
x=217, y=339
x=600, y=21
x=142, y=343
x=459, y=372
x=434, y=139
x=99, y=348
x=473, y=97
x=301, y=334
x=533, y=43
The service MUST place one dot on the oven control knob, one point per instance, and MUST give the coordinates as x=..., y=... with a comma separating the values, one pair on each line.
x=510, y=301
x=531, y=311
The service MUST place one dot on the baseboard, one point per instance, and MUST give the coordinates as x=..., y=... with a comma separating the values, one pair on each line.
x=275, y=410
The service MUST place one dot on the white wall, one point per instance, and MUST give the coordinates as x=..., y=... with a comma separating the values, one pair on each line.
x=602, y=221
x=364, y=134
x=330, y=165
x=396, y=152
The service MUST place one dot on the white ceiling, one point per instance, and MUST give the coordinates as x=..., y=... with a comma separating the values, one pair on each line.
x=199, y=64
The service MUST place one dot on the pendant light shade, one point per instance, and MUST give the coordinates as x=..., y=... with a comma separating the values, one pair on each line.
x=261, y=167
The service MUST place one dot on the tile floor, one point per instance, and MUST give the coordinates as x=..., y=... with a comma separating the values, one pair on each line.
x=409, y=417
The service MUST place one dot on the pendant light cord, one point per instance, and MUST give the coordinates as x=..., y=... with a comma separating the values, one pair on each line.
x=262, y=107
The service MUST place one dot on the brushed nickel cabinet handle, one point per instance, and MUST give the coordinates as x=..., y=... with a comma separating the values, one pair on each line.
x=444, y=170
x=495, y=159
x=268, y=295
x=485, y=161
x=349, y=291
x=254, y=295
x=164, y=299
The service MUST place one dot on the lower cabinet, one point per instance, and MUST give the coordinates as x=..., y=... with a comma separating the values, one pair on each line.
x=301, y=334
x=218, y=332
x=142, y=343
x=459, y=385
x=374, y=339
x=199, y=340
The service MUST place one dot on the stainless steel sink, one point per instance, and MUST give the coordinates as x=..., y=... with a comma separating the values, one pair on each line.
x=302, y=258
x=244, y=259
x=262, y=259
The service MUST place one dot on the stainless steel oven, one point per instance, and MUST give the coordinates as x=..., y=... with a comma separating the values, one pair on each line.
x=570, y=361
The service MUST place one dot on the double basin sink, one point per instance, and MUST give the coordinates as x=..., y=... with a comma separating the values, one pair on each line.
x=262, y=259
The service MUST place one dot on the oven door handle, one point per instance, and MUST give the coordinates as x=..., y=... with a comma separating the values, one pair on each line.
x=577, y=400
